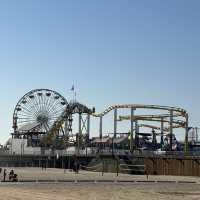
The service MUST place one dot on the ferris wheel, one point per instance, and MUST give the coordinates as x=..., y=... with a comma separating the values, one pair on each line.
x=37, y=111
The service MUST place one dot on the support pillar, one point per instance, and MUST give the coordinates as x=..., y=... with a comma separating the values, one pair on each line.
x=54, y=161
x=154, y=141
x=115, y=122
x=132, y=129
x=69, y=164
x=171, y=128
x=62, y=163
x=79, y=123
x=79, y=132
x=87, y=139
x=88, y=127
x=196, y=130
x=100, y=127
x=162, y=133
x=100, y=131
x=68, y=129
x=186, y=132
x=136, y=135
x=66, y=134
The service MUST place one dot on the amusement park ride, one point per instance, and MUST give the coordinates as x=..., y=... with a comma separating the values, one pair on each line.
x=45, y=118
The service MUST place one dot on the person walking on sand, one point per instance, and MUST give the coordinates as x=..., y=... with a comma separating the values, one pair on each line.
x=4, y=175
x=146, y=173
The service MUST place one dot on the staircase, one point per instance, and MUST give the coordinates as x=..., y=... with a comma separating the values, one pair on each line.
x=130, y=165
x=117, y=163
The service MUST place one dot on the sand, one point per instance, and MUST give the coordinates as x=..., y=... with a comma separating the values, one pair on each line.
x=96, y=191
x=61, y=191
x=58, y=174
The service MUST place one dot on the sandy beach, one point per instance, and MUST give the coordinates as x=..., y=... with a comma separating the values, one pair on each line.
x=96, y=190
x=85, y=191
x=54, y=174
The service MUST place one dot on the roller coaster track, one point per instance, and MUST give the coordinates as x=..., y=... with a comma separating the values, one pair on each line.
x=179, y=111
x=76, y=107
x=181, y=123
x=165, y=129
x=161, y=116
x=71, y=108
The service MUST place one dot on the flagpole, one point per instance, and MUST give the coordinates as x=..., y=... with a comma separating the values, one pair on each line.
x=74, y=94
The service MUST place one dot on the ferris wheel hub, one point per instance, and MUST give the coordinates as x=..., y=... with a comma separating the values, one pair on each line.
x=42, y=119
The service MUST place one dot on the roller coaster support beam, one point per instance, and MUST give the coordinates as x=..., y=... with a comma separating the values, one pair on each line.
x=115, y=122
x=171, y=128
x=196, y=130
x=154, y=141
x=115, y=128
x=132, y=129
x=88, y=128
x=79, y=132
x=186, y=132
x=66, y=128
x=136, y=135
x=162, y=133
x=101, y=130
x=100, y=127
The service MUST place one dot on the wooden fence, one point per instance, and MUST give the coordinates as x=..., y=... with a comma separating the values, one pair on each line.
x=167, y=166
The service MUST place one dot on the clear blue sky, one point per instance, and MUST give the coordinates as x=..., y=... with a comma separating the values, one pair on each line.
x=115, y=51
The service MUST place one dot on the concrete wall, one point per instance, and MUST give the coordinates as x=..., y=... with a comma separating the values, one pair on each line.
x=19, y=147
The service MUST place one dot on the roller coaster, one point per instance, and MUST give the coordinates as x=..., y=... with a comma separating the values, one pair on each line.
x=45, y=118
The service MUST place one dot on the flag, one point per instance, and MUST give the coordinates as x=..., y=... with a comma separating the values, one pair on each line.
x=72, y=89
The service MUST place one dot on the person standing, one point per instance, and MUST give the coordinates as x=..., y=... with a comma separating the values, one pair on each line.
x=11, y=174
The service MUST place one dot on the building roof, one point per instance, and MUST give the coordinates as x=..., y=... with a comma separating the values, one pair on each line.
x=119, y=140
x=110, y=140
x=99, y=140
